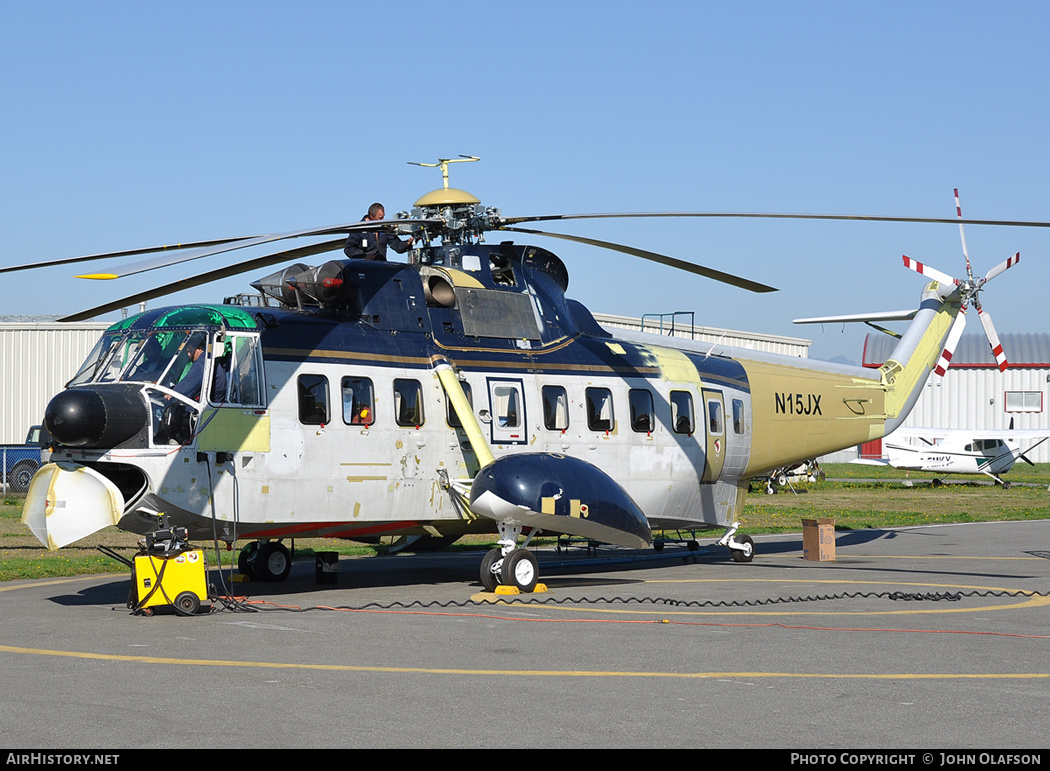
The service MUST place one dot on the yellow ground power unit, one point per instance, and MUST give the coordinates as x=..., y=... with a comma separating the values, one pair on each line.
x=174, y=579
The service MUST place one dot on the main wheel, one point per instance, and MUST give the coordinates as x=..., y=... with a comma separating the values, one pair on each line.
x=748, y=553
x=272, y=562
x=188, y=603
x=491, y=566
x=245, y=560
x=520, y=569
x=21, y=475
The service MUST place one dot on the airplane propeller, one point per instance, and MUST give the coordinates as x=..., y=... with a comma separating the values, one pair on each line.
x=970, y=289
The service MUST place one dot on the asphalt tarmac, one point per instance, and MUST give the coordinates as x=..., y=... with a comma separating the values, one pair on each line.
x=919, y=638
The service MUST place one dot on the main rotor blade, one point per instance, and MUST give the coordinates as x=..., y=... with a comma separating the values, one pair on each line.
x=700, y=270
x=760, y=215
x=1009, y=262
x=993, y=339
x=204, y=278
x=165, y=261
x=125, y=253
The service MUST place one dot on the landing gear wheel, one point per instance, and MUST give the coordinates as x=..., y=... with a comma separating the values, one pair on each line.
x=782, y=479
x=246, y=558
x=693, y=546
x=748, y=552
x=937, y=483
x=658, y=545
x=188, y=603
x=1006, y=485
x=521, y=569
x=491, y=566
x=272, y=562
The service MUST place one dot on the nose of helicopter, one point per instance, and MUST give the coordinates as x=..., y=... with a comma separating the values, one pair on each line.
x=89, y=417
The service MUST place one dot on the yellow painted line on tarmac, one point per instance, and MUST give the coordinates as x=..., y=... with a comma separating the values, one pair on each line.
x=153, y=660
x=37, y=582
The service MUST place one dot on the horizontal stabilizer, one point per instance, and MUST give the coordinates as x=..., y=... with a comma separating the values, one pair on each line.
x=861, y=317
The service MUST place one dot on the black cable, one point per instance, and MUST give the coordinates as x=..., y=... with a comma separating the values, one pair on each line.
x=668, y=601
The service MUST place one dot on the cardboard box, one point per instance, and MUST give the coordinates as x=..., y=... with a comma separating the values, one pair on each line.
x=818, y=539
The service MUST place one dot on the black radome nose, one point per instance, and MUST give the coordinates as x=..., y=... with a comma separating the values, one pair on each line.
x=88, y=417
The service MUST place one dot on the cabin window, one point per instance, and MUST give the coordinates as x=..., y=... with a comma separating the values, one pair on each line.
x=242, y=361
x=313, y=400
x=451, y=416
x=600, y=409
x=738, y=416
x=715, y=423
x=682, y=418
x=1024, y=401
x=555, y=408
x=506, y=404
x=358, y=401
x=640, y=402
x=985, y=445
x=408, y=403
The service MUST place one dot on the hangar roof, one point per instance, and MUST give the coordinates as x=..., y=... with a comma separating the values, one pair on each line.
x=1028, y=349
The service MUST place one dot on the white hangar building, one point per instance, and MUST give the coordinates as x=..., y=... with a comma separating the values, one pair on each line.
x=973, y=392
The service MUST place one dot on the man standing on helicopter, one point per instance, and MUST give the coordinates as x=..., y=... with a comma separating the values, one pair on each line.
x=371, y=245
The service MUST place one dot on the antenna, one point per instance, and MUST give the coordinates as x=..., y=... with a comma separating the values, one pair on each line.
x=443, y=163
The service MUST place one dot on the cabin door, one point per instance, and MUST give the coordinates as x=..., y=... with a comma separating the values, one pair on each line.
x=714, y=417
x=507, y=411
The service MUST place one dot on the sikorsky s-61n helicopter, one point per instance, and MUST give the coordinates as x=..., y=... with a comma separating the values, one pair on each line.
x=461, y=392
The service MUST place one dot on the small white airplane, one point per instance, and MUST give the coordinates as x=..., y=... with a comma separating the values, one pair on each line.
x=958, y=451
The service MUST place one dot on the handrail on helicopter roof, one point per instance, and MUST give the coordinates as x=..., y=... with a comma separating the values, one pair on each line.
x=673, y=315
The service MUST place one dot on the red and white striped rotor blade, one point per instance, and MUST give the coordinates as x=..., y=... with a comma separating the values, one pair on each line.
x=993, y=340
x=926, y=270
x=949, y=346
x=1006, y=264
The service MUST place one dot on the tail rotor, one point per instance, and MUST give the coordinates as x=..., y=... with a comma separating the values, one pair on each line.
x=969, y=289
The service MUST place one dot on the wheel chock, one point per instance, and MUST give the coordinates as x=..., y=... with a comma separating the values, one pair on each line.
x=512, y=590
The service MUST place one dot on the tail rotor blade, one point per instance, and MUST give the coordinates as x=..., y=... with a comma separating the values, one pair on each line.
x=993, y=340
x=962, y=234
x=949, y=346
x=1002, y=266
x=926, y=270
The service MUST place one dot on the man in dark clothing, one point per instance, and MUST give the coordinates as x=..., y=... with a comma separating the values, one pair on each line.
x=190, y=385
x=372, y=244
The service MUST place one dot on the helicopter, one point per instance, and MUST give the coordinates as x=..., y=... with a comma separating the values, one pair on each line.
x=459, y=392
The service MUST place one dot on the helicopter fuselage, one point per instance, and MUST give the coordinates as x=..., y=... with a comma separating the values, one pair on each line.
x=332, y=420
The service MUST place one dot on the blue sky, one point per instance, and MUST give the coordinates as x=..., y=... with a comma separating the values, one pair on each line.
x=134, y=124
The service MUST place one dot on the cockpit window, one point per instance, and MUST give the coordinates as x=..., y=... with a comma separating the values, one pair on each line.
x=95, y=360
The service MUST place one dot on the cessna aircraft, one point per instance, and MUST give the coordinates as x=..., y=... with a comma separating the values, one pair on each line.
x=461, y=392
x=957, y=451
